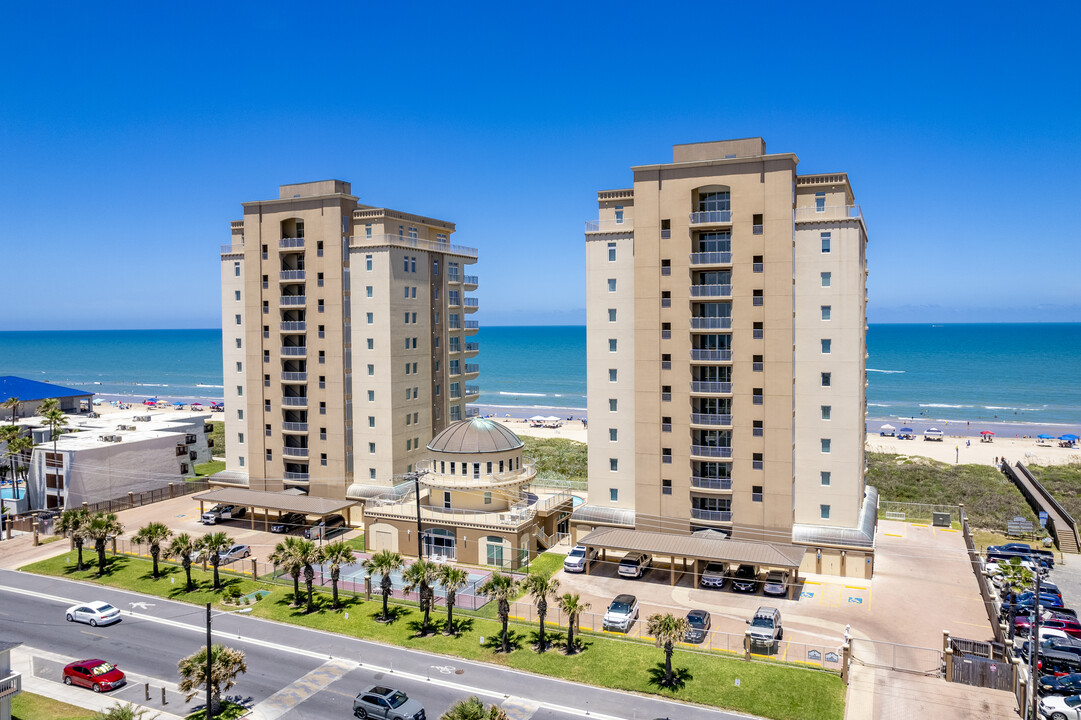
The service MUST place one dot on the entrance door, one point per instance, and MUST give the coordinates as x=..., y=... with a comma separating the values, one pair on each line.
x=440, y=543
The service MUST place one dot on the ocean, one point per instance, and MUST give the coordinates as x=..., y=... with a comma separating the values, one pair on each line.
x=994, y=373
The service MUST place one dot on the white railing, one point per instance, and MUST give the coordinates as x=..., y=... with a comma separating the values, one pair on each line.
x=11, y=686
x=711, y=217
x=471, y=368
x=472, y=390
x=610, y=225
x=295, y=427
x=527, y=470
x=405, y=507
x=294, y=451
x=711, y=451
x=472, y=325
x=712, y=355
x=294, y=326
x=411, y=242
x=296, y=476
x=293, y=401
x=294, y=350
x=710, y=419
x=711, y=323
x=292, y=300
x=711, y=290
x=707, y=483
x=472, y=302
x=472, y=347
x=291, y=275
x=295, y=376
x=291, y=243
x=471, y=280
x=234, y=248
x=833, y=212
x=711, y=515
x=711, y=258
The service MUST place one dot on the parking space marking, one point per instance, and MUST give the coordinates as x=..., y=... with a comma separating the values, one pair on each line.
x=856, y=595
x=949, y=530
x=893, y=535
x=831, y=596
x=808, y=592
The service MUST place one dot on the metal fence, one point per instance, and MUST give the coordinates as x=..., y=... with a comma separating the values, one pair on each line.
x=562, y=483
x=131, y=500
x=915, y=512
x=894, y=656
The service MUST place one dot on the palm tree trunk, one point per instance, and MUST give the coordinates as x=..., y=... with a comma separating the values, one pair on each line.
x=187, y=571
x=450, y=613
x=386, y=611
x=505, y=617
x=426, y=601
x=540, y=613
x=668, y=664
x=154, y=556
x=334, y=587
x=296, y=590
x=570, y=637
x=79, y=547
x=308, y=582
x=100, y=546
x=217, y=583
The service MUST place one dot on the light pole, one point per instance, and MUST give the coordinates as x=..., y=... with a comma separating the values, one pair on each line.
x=209, y=659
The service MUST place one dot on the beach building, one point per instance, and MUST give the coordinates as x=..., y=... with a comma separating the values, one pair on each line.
x=726, y=346
x=346, y=341
x=11, y=681
x=476, y=503
x=31, y=393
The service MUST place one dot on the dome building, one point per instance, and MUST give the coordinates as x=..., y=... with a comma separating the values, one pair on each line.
x=476, y=502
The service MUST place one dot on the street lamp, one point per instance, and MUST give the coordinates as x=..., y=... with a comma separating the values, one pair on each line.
x=209, y=661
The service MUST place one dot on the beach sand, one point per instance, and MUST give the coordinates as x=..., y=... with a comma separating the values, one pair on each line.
x=954, y=449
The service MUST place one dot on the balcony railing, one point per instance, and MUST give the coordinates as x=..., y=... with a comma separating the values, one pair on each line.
x=704, y=386
x=294, y=451
x=293, y=326
x=291, y=275
x=711, y=217
x=454, y=277
x=711, y=258
x=471, y=368
x=10, y=686
x=292, y=300
x=294, y=427
x=294, y=401
x=710, y=419
x=711, y=290
x=471, y=302
x=834, y=212
x=297, y=476
x=711, y=515
x=472, y=347
x=471, y=325
x=711, y=355
x=472, y=390
x=412, y=242
x=295, y=376
x=708, y=483
x=231, y=249
x=294, y=350
x=470, y=280
x=291, y=243
x=711, y=451
x=610, y=225
x=711, y=323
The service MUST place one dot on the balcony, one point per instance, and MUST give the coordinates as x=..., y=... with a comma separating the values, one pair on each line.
x=471, y=280
x=711, y=291
x=363, y=241
x=471, y=326
x=711, y=451
x=454, y=278
x=235, y=248
x=472, y=347
x=291, y=275
x=709, y=483
x=609, y=226
x=295, y=427
x=711, y=258
x=286, y=243
x=718, y=516
x=711, y=323
x=471, y=369
x=10, y=686
x=471, y=304
x=292, y=300
x=710, y=419
x=295, y=451
x=295, y=377
x=711, y=217
x=295, y=401
x=294, y=350
x=455, y=394
x=711, y=388
x=711, y=355
x=293, y=326
x=297, y=476
x=472, y=391
x=836, y=212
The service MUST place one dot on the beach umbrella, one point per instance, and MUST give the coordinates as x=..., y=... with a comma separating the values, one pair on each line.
x=150, y=401
x=986, y=432
x=552, y=418
x=1045, y=436
x=906, y=429
x=538, y=418
x=196, y=405
x=887, y=426
x=1069, y=438
x=178, y=404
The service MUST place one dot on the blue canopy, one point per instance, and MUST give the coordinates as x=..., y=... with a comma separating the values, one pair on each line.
x=1045, y=436
x=905, y=430
x=1071, y=437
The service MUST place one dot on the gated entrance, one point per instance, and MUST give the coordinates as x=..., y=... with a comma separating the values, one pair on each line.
x=981, y=664
x=893, y=656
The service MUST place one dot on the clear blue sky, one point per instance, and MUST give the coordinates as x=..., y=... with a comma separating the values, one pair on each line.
x=129, y=136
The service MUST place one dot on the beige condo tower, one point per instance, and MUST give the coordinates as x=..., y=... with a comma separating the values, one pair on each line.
x=346, y=341
x=726, y=306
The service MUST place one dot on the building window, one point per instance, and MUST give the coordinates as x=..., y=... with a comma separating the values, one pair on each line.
x=371, y=318
x=236, y=294
x=611, y=284
x=611, y=252
x=371, y=473
x=371, y=369
x=240, y=367
x=319, y=306
x=322, y=458
x=666, y=487
x=613, y=494
x=239, y=390
x=826, y=311
x=371, y=396
x=368, y=290
x=613, y=405
x=820, y=202
x=756, y=428
x=756, y=363
x=613, y=434
x=613, y=464
x=666, y=456
x=238, y=343
x=666, y=393
x=826, y=278
x=240, y=438
x=322, y=433
x=319, y=280
x=757, y=331
x=322, y=382
x=825, y=510
x=826, y=346
x=611, y=314
x=238, y=320
x=619, y=216
x=756, y=396
x=824, y=477
x=666, y=266
x=756, y=298
x=322, y=357
x=756, y=224
x=322, y=408
x=612, y=374
x=236, y=269
x=239, y=414
x=371, y=421
x=826, y=379
x=825, y=445
x=756, y=493
x=368, y=258
x=826, y=410
x=241, y=461
x=757, y=265
x=371, y=343
x=825, y=242
x=611, y=344
x=756, y=461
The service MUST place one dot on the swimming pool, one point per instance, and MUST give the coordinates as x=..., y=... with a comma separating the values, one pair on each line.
x=10, y=493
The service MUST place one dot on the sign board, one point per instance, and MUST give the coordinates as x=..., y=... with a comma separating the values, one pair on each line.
x=1043, y=518
x=814, y=655
x=1018, y=526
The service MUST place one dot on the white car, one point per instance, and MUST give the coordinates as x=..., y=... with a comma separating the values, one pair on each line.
x=1060, y=707
x=577, y=559
x=621, y=613
x=94, y=613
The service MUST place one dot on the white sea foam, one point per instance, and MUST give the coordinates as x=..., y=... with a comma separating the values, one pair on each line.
x=212, y=386
x=878, y=404
x=887, y=372
x=943, y=405
x=523, y=394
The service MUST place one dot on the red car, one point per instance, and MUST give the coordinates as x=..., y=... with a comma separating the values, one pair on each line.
x=97, y=675
x=1067, y=625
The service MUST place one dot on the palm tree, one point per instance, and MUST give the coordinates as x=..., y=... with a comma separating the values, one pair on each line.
x=420, y=576
x=183, y=546
x=501, y=588
x=212, y=544
x=668, y=630
x=309, y=556
x=572, y=606
x=452, y=579
x=473, y=709
x=286, y=557
x=153, y=535
x=12, y=403
x=540, y=588
x=337, y=554
x=54, y=419
x=384, y=563
x=71, y=523
x=16, y=445
x=225, y=664
x=124, y=712
x=99, y=528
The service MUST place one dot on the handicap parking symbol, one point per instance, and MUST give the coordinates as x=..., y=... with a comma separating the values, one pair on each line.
x=857, y=600
x=807, y=594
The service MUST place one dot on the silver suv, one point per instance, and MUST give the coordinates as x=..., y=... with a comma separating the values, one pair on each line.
x=621, y=613
x=766, y=625
x=385, y=703
x=714, y=575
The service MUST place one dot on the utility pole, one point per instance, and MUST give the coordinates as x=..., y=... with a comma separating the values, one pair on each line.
x=416, y=492
x=1034, y=651
x=209, y=666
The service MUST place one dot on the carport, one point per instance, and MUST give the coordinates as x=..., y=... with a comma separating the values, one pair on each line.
x=691, y=551
x=279, y=502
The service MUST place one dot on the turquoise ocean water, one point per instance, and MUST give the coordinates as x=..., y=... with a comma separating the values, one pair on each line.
x=1027, y=373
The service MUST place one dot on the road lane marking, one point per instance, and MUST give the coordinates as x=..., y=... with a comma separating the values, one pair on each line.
x=87, y=632
x=519, y=708
x=283, y=701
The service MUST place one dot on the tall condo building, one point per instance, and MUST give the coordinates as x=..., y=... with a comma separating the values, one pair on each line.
x=346, y=341
x=726, y=306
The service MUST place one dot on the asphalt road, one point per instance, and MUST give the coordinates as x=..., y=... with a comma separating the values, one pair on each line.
x=156, y=633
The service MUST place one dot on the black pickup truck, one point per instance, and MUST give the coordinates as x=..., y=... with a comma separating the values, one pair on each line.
x=1046, y=558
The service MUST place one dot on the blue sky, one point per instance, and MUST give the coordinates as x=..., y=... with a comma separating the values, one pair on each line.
x=129, y=136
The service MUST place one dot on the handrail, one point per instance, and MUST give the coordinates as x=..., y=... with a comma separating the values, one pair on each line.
x=411, y=242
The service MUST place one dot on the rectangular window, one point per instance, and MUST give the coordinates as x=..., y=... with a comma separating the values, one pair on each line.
x=236, y=272
x=414, y=318
x=613, y=494
x=612, y=344
x=613, y=405
x=405, y=263
x=236, y=294
x=240, y=367
x=826, y=312
x=240, y=437
x=826, y=410
x=613, y=464
x=826, y=378
x=487, y=497
x=413, y=264
x=612, y=374
x=241, y=461
x=825, y=445
x=322, y=408
x=322, y=357
x=371, y=369
x=619, y=214
x=238, y=320
x=371, y=343
x=613, y=434
x=488, y=468
x=238, y=343
x=371, y=396
x=371, y=318
x=371, y=473
x=407, y=318
x=824, y=477
x=322, y=458
x=611, y=284
x=825, y=242
x=611, y=314
x=756, y=428
x=820, y=202
x=319, y=280
x=319, y=306
x=368, y=258
x=826, y=346
x=611, y=252
x=826, y=278
x=756, y=493
x=368, y=290
x=756, y=461
x=239, y=414
x=322, y=433
x=371, y=421
x=825, y=510
x=239, y=389
x=476, y=471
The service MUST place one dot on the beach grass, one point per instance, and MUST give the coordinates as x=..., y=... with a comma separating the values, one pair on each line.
x=557, y=458
x=781, y=691
x=1064, y=484
x=990, y=499
x=209, y=468
x=28, y=706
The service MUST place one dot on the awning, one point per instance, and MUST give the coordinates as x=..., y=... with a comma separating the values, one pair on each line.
x=305, y=504
x=697, y=548
x=600, y=515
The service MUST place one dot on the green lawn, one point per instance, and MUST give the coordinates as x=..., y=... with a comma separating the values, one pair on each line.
x=771, y=690
x=218, y=436
x=557, y=458
x=547, y=564
x=28, y=706
x=209, y=468
x=356, y=543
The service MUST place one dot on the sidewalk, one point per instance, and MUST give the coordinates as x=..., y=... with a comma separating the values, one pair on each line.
x=20, y=550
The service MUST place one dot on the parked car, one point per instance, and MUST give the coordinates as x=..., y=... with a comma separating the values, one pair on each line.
x=384, y=703
x=1069, y=684
x=97, y=675
x=1044, y=557
x=1045, y=597
x=287, y=523
x=236, y=552
x=699, y=622
x=714, y=575
x=94, y=613
x=1059, y=707
x=745, y=579
x=222, y=512
x=634, y=564
x=1066, y=624
x=776, y=583
x=577, y=559
x=1057, y=644
x=766, y=625
x=621, y=614
x=324, y=526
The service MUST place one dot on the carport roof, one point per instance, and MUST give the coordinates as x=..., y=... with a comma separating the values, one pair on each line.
x=275, y=501
x=700, y=548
